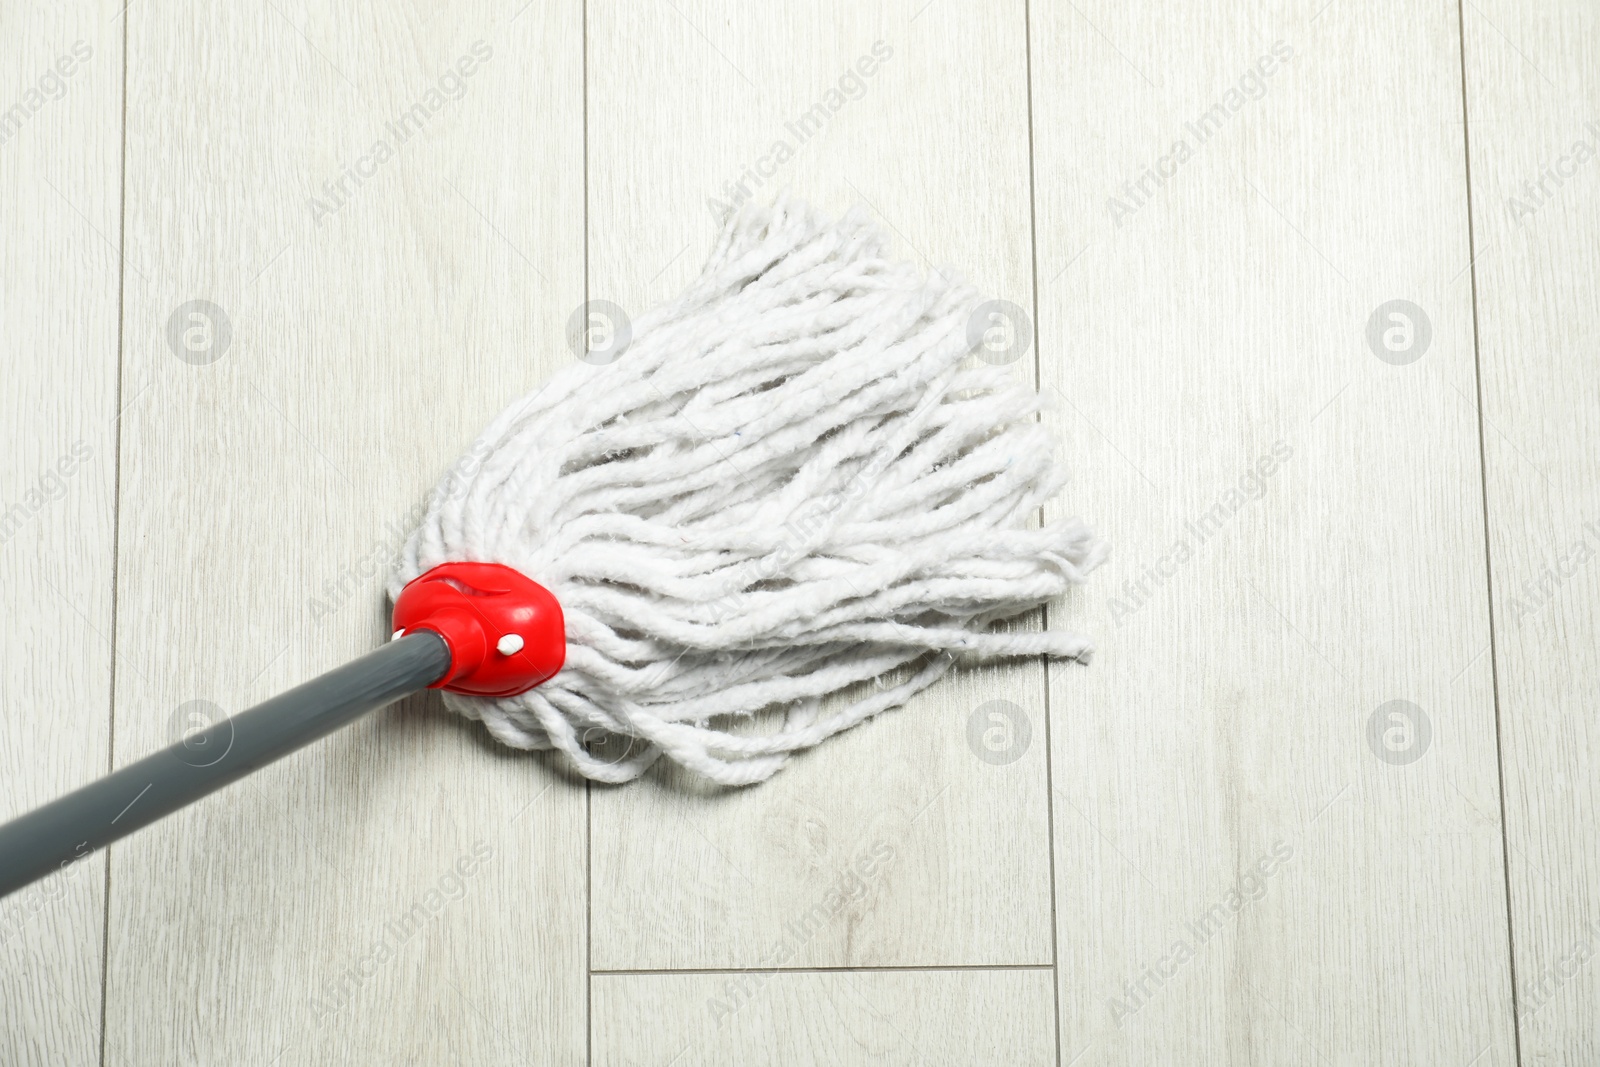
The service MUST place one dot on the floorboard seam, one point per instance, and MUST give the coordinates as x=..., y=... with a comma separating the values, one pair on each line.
x=116, y=522
x=1488, y=562
x=1044, y=612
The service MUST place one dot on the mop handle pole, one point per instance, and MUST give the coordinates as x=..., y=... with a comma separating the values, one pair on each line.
x=58, y=834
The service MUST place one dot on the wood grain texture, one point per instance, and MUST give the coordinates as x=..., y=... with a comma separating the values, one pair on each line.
x=1532, y=79
x=1242, y=877
x=931, y=142
x=406, y=891
x=60, y=141
x=1258, y=859
x=959, y=1018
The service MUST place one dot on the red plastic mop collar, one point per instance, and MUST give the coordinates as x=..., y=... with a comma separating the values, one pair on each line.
x=505, y=631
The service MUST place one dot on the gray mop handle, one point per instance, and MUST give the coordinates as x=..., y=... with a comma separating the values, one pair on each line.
x=56, y=835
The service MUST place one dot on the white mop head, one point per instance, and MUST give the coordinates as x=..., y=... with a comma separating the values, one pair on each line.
x=793, y=480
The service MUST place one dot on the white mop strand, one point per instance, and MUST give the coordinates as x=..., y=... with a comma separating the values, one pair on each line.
x=792, y=481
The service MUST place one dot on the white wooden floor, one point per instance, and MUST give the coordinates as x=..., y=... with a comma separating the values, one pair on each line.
x=1326, y=795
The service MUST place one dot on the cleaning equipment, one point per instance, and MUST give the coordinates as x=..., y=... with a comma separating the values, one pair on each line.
x=792, y=484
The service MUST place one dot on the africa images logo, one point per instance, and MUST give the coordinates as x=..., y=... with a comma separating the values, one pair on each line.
x=1251, y=486
x=1251, y=86
x=449, y=87
x=51, y=85
x=851, y=85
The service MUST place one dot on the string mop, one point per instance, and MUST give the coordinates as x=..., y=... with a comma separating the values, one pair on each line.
x=792, y=480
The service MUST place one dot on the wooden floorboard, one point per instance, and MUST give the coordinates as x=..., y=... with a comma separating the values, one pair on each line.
x=406, y=891
x=932, y=144
x=1531, y=82
x=60, y=145
x=1261, y=858
x=952, y=1018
